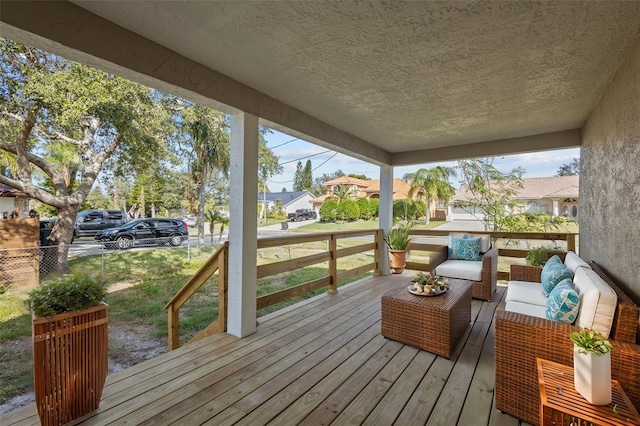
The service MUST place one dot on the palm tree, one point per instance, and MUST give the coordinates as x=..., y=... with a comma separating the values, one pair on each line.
x=342, y=192
x=431, y=184
x=210, y=145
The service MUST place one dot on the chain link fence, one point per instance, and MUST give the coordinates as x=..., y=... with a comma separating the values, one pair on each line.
x=27, y=266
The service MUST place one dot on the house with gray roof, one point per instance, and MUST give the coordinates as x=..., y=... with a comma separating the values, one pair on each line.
x=558, y=196
x=291, y=200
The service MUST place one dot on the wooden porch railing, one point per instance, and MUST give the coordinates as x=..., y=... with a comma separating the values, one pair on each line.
x=218, y=262
x=436, y=253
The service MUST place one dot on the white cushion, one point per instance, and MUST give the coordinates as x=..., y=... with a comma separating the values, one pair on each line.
x=525, y=292
x=461, y=269
x=597, y=301
x=526, y=308
x=485, y=240
x=573, y=262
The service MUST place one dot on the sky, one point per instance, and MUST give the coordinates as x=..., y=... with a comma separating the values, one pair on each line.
x=290, y=150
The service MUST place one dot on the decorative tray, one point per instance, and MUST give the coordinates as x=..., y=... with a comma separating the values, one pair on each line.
x=435, y=292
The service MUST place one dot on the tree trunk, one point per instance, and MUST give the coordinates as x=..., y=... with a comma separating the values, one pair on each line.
x=142, y=211
x=200, y=220
x=427, y=205
x=61, y=236
x=153, y=209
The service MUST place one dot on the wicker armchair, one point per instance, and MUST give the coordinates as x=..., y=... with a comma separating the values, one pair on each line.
x=520, y=339
x=484, y=289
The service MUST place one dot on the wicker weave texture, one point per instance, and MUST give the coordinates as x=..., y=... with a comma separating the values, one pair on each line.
x=484, y=289
x=520, y=339
x=70, y=364
x=432, y=323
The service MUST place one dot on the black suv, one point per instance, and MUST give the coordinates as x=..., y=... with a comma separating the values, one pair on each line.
x=90, y=222
x=145, y=232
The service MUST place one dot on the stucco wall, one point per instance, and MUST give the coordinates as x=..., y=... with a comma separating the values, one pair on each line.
x=610, y=179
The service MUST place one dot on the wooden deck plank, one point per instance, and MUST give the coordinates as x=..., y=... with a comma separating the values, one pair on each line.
x=365, y=402
x=390, y=406
x=322, y=361
x=250, y=353
x=152, y=393
x=212, y=387
x=279, y=394
x=453, y=395
x=287, y=366
x=377, y=369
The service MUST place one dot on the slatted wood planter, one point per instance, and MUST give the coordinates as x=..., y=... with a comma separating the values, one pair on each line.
x=70, y=364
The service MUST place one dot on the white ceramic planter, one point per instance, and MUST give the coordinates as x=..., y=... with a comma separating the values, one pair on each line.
x=592, y=376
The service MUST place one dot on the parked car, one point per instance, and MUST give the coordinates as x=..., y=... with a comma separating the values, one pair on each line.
x=46, y=226
x=145, y=232
x=302, y=214
x=189, y=220
x=90, y=222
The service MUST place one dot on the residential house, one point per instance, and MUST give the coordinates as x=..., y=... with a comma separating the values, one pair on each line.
x=12, y=199
x=556, y=195
x=291, y=201
x=361, y=188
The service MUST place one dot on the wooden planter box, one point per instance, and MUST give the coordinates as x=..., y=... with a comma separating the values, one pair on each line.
x=70, y=363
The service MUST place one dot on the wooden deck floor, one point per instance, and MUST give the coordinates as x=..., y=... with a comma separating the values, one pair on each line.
x=317, y=363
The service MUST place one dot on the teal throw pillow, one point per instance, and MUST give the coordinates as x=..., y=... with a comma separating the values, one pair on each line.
x=465, y=248
x=554, y=260
x=552, y=275
x=563, y=303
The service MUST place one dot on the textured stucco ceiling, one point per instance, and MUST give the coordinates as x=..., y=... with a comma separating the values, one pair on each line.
x=405, y=76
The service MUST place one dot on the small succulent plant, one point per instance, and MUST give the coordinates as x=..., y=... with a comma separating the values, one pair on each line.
x=588, y=340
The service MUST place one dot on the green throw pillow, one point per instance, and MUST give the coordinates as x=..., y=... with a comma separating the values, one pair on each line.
x=465, y=248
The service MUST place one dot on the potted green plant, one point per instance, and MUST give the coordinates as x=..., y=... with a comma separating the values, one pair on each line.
x=537, y=256
x=398, y=240
x=70, y=346
x=592, y=366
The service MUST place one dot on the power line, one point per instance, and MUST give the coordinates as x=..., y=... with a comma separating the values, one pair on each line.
x=304, y=158
x=278, y=146
x=313, y=170
x=316, y=168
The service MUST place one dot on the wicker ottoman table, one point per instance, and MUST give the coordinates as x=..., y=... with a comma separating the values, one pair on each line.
x=432, y=323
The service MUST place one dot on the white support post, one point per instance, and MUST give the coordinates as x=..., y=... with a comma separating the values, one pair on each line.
x=243, y=229
x=555, y=208
x=385, y=213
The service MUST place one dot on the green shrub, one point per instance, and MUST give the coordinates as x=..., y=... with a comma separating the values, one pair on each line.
x=65, y=293
x=348, y=210
x=328, y=211
x=374, y=204
x=537, y=256
x=365, y=210
x=407, y=210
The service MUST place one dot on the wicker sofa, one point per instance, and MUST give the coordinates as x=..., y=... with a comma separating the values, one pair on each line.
x=520, y=339
x=483, y=274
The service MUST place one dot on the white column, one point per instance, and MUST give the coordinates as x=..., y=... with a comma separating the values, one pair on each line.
x=555, y=208
x=243, y=229
x=385, y=213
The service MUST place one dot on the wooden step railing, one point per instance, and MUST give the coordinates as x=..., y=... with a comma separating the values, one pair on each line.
x=216, y=263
